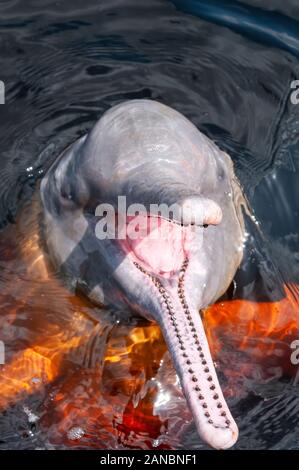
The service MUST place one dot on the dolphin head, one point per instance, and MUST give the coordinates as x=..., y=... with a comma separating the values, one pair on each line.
x=145, y=214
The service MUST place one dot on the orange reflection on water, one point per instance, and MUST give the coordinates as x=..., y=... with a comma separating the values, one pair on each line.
x=264, y=330
x=24, y=375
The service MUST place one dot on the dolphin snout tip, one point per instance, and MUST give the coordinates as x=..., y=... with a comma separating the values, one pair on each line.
x=223, y=438
x=199, y=210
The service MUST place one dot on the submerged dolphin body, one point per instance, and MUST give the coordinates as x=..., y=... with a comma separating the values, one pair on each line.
x=151, y=154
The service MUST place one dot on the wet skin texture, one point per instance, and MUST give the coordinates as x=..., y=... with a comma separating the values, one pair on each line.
x=151, y=154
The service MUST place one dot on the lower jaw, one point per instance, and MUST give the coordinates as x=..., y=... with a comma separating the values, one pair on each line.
x=184, y=334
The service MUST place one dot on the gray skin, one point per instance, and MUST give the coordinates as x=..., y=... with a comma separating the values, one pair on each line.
x=152, y=154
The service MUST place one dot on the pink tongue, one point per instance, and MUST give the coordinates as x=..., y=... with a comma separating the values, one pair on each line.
x=158, y=243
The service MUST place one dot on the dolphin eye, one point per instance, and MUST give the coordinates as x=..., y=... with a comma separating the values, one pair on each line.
x=66, y=196
x=65, y=192
x=221, y=172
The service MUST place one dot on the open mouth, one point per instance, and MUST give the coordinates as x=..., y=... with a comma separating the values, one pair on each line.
x=160, y=250
x=157, y=244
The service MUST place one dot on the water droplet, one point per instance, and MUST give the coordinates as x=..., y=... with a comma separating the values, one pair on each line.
x=32, y=418
x=75, y=433
x=35, y=380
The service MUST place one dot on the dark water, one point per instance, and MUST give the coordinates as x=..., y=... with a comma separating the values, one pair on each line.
x=64, y=63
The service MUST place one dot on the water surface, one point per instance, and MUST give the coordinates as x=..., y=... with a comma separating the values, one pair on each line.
x=70, y=381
